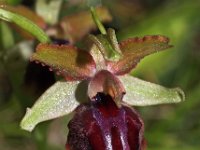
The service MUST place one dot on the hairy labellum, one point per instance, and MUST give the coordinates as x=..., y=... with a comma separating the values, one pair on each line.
x=101, y=125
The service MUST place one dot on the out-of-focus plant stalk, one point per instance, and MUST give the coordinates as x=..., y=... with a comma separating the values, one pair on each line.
x=24, y=23
x=97, y=20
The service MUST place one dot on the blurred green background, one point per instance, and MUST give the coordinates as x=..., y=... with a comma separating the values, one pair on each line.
x=167, y=127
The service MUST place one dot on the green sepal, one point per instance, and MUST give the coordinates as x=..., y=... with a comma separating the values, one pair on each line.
x=143, y=93
x=60, y=99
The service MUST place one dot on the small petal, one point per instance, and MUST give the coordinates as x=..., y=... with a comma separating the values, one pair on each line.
x=104, y=48
x=113, y=40
x=105, y=82
x=58, y=100
x=142, y=93
x=72, y=63
x=107, y=45
x=134, y=49
x=96, y=53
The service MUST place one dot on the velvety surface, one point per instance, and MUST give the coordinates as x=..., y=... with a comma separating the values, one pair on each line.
x=101, y=125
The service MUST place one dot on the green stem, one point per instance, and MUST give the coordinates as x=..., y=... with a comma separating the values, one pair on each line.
x=25, y=24
x=97, y=21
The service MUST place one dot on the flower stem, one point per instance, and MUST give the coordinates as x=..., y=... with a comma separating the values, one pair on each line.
x=97, y=20
x=24, y=23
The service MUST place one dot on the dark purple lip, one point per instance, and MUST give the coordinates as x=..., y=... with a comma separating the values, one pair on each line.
x=101, y=125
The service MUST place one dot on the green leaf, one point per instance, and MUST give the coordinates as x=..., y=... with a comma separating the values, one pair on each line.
x=72, y=63
x=58, y=100
x=11, y=2
x=134, y=49
x=142, y=93
x=24, y=23
x=29, y=14
x=7, y=39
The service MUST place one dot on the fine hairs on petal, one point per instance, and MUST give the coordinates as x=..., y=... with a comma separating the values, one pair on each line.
x=69, y=61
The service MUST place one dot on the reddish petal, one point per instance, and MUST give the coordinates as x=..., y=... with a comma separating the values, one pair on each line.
x=72, y=63
x=134, y=49
x=107, y=83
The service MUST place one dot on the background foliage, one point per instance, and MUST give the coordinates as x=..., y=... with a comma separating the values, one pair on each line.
x=167, y=126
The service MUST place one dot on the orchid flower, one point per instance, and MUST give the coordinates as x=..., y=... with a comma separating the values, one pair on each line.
x=98, y=88
x=100, y=73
